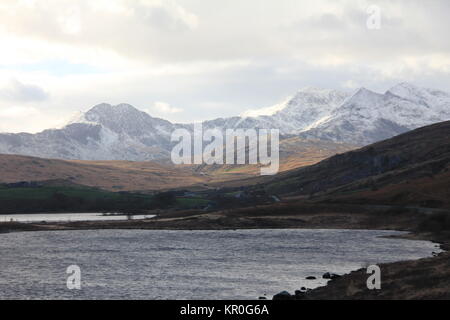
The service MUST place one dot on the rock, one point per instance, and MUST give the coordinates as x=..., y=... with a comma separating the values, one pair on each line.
x=331, y=276
x=311, y=278
x=262, y=298
x=284, y=295
x=301, y=294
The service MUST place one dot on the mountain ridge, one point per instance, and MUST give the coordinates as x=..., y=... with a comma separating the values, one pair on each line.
x=122, y=132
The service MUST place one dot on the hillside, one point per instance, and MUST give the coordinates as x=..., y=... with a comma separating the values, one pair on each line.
x=412, y=169
x=150, y=175
x=109, y=175
x=295, y=152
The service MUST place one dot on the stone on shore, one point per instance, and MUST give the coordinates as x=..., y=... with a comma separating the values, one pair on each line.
x=330, y=275
x=283, y=295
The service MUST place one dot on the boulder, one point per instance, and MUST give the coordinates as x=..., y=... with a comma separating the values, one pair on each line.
x=311, y=278
x=330, y=275
x=283, y=295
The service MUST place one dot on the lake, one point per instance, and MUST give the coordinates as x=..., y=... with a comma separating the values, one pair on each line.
x=69, y=217
x=157, y=264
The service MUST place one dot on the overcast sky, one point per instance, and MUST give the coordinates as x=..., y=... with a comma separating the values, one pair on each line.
x=187, y=60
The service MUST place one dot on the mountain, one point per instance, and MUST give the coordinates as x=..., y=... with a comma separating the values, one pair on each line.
x=368, y=117
x=122, y=132
x=307, y=109
x=409, y=169
x=105, y=132
x=361, y=118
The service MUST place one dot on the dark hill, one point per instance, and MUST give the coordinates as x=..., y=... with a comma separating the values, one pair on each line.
x=412, y=168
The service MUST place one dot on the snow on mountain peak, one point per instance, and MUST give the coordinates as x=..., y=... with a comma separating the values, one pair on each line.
x=430, y=100
x=106, y=108
x=365, y=96
x=122, y=132
x=410, y=91
x=406, y=90
x=306, y=97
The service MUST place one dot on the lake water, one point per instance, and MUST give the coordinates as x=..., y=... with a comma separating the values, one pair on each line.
x=145, y=264
x=68, y=217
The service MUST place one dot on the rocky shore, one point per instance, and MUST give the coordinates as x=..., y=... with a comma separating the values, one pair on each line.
x=425, y=279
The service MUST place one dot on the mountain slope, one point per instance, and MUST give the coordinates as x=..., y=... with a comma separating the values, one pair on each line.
x=359, y=119
x=413, y=168
x=151, y=175
x=367, y=117
x=108, y=175
x=105, y=132
x=306, y=109
x=122, y=132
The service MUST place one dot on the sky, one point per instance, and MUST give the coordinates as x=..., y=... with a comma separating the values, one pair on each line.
x=191, y=60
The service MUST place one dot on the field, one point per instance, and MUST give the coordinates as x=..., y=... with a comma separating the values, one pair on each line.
x=42, y=198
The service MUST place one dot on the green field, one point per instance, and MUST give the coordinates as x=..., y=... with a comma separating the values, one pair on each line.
x=74, y=199
x=87, y=199
x=192, y=203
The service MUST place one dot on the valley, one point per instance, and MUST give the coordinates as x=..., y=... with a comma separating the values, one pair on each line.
x=401, y=183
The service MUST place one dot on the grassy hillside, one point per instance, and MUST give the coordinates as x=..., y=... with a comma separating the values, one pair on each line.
x=108, y=175
x=152, y=176
x=410, y=169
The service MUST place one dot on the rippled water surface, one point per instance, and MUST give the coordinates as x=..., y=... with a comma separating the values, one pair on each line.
x=144, y=264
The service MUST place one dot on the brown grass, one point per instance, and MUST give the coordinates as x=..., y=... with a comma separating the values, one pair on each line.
x=151, y=176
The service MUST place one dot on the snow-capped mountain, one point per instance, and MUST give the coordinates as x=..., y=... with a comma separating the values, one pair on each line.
x=122, y=132
x=367, y=117
x=307, y=109
x=360, y=118
x=105, y=132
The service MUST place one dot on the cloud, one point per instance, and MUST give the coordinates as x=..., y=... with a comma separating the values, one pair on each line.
x=267, y=111
x=17, y=112
x=172, y=31
x=164, y=108
x=20, y=92
x=211, y=58
x=350, y=84
x=131, y=28
x=165, y=16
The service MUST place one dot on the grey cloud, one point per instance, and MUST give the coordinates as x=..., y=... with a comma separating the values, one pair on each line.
x=20, y=92
x=165, y=18
x=284, y=46
x=170, y=31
